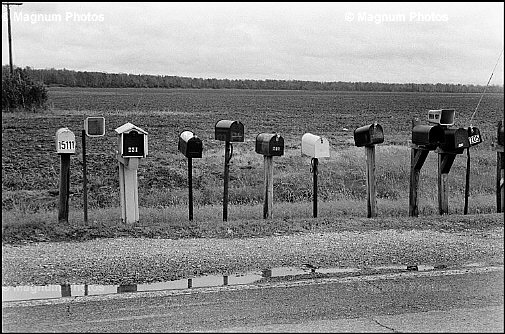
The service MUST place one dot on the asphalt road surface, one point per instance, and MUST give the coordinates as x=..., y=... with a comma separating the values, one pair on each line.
x=465, y=300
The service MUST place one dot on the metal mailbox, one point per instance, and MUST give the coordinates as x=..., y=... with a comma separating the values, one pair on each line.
x=270, y=144
x=231, y=131
x=443, y=117
x=499, y=133
x=315, y=146
x=474, y=137
x=94, y=126
x=65, y=141
x=427, y=135
x=132, y=141
x=455, y=139
x=368, y=135
x=190, y=145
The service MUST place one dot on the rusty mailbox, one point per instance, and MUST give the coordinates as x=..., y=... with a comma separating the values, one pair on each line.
x=230, y=131
x=269, y=144
x=368, y=135
x=190, y=145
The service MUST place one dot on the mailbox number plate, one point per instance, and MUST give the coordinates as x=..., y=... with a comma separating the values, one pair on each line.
x=133, y=149
x=66, y=145
x=475, y=139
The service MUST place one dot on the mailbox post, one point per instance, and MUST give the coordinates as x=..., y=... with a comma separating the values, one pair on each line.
x=228, y=131
x=474, y=138
x=500, y=166
x=132, y=146
x=368, y=136
x=269, y=145
x=191, y=146
x=65, y=147
x=315, y=147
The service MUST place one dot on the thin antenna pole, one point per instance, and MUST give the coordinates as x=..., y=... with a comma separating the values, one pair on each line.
x=485, y=88
x=8, y=4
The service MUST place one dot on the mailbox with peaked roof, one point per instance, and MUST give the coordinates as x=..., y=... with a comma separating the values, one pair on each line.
x=132, y=141
x=227, y=130
x=315, y=146
x=270, y=144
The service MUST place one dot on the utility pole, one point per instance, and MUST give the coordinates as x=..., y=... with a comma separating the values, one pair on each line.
x=8, y=4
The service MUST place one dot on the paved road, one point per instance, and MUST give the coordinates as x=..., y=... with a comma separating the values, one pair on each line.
x=469, y=300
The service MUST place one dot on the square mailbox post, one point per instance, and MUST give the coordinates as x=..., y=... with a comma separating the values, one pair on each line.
x=65, y=147
x=315, y=147
x=368, y=136
x=269, y=145
x=228, y=131
x=191, y=146
x=132, y=147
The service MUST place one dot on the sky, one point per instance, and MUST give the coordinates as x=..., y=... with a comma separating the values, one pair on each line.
x=318, y=41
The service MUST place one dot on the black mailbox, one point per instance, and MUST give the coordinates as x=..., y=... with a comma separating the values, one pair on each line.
x=455, y=139
x=133, y=145
x=474, y=137
x=428, y=136
x=269, y=144
x=500, y=133
x=190, y=145
x=229, y=131
x=368, y=135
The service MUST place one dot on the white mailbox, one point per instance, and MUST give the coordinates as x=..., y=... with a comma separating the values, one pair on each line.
x=315, y=146
x=65, y=141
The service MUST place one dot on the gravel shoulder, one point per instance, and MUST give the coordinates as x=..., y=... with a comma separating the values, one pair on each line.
x=143, y=260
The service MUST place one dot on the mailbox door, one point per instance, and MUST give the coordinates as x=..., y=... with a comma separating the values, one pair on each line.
x=194, y=148
x=237, y=132
x=133, y=145
x=276, y=146
x=455, y=139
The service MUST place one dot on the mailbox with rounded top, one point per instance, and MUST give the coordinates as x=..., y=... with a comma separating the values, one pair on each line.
x=369, y=135
x=132, y=141
x=270, y=144
x=427, y=135
x=474, y=137
x=455, y=139
x=499, y=133
x=65, y=141
x=315, y=146
x=443, y=117
x=190, y=145
x=227, y=130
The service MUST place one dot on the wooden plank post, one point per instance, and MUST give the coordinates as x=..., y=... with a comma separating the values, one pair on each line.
x=64, y=187
x=190, y=186
x=315, y=162
x=418, y=157
x=227, y=157
x=370, y=182
x=445, y=161
x=269, y=187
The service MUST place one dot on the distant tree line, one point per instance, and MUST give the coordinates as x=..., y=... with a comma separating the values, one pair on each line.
x=70, y=78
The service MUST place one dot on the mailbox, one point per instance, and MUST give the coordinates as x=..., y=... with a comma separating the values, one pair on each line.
x=474, y=137
x=499, y=133
x=455, y=139
x=190, y=145
x=315, y=146
x=443, y=117
x=132, y=141
x=229, y=131
x=270, y=144
x=94, y=126
x=427, y=135
x=65, y=141
x=368, y=135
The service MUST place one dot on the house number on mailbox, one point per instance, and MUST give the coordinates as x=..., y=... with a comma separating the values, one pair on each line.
x=133, y=149
x=66, y=145
x=475, y=139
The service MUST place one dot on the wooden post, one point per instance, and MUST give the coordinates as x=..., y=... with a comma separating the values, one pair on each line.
x=122, y=191
x=190, y=186
x=445, y=161
x=269, y=187
x=64, y=187
x=467, y=181
x=84, y=178
x=227, y=158
x=417, y=159
x=129, y=189
x=315, y=162
x=370, y=182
